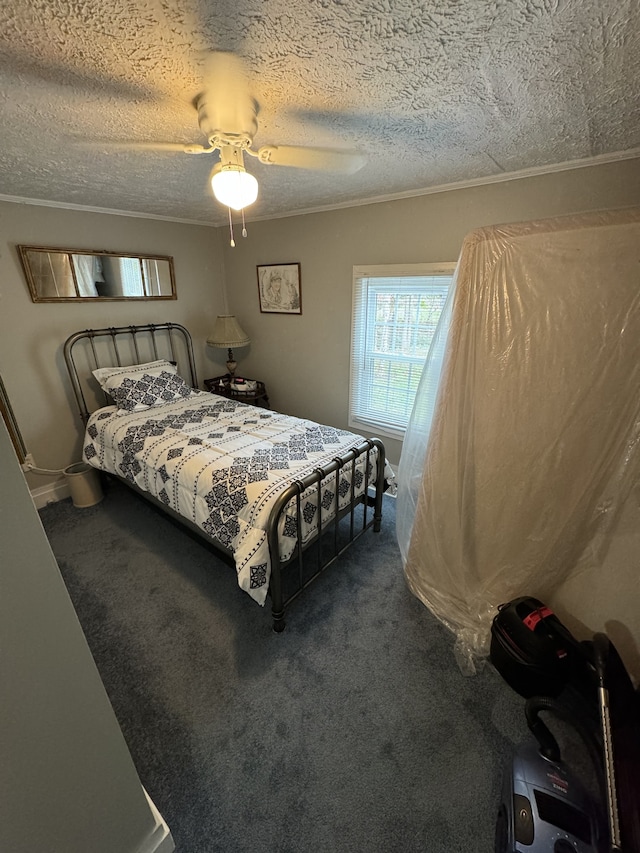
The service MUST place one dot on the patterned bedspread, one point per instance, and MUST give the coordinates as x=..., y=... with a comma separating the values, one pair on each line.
x=221, y=464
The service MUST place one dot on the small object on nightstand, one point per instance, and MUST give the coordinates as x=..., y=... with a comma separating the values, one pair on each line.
x=245, y=385
x=250, y=391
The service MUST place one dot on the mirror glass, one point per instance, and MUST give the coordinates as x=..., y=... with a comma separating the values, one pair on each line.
x=64, y=275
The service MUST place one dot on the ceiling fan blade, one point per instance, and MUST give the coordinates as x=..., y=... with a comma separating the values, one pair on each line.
x=68, y=78
x=223, y=69
x=184, y=148
x=325, y=159
x=226, y=105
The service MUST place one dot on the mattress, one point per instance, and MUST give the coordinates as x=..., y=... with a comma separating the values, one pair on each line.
x=221, y=464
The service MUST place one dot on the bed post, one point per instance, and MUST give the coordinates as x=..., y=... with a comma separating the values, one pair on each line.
x=377, y=509
x=275, y=578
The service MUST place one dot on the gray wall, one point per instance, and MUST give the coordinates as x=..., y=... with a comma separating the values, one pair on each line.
x=305, y=359
x=67, y=784
x=32, y=334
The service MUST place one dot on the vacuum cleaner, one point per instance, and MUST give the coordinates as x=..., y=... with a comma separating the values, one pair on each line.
x=545, y=805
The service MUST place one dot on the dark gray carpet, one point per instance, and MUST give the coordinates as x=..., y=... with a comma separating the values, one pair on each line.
x=351, y=731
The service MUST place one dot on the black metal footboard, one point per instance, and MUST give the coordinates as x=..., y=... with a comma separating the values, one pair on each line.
x=330, y=532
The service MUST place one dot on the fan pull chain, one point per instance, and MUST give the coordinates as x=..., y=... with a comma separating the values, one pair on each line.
x=233, y=242
x=244, y=228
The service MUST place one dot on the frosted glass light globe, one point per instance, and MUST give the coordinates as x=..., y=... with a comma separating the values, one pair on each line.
x=234, y=187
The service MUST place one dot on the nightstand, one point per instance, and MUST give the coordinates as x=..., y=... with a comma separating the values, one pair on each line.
x=222, y=385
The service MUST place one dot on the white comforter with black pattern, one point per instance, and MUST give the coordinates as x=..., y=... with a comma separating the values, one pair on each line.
x=221, y=464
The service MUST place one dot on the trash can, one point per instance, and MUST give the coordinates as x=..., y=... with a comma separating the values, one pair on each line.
x=84, y=484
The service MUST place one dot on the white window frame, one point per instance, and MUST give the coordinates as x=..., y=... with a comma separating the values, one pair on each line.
x=361, y=417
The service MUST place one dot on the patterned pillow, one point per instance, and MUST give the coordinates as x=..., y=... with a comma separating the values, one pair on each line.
x=135, y=395
x=143, y=386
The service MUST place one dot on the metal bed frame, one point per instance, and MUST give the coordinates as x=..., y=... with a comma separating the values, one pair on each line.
x=127, y=345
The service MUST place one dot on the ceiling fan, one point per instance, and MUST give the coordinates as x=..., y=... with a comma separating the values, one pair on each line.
x=228, y=117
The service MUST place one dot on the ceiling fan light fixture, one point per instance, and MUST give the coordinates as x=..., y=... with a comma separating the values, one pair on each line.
x=233, y=186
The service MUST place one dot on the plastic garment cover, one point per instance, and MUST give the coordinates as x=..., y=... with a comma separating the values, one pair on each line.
x=530, y=446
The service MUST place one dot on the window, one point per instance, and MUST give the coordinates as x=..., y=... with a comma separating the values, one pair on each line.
x=395, y=313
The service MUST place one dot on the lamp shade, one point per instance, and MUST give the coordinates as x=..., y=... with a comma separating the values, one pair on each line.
x=227, y=333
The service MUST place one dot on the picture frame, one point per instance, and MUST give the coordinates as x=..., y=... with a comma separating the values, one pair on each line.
x=279, y=289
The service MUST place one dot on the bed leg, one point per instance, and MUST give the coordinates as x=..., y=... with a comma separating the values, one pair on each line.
x=377, y=509
x=278, y=621
x=275, y=588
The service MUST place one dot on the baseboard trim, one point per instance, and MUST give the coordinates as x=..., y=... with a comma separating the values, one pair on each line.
x=160, y=840
x=51, y=493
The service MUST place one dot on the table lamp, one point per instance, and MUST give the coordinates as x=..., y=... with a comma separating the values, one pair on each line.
x=227, y=334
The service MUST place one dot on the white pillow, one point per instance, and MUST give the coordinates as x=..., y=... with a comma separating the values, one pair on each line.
x=103, y=373
x=143, y=386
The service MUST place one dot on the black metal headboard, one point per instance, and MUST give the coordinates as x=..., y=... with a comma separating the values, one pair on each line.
x=122, y=346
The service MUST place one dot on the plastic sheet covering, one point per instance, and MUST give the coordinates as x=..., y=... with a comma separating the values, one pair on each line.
x=528, y=450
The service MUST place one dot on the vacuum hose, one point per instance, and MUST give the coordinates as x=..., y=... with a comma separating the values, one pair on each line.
x=548, y=744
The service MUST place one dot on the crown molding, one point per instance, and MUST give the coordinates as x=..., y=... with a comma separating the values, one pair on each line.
x=85, y=208
x=535, y=171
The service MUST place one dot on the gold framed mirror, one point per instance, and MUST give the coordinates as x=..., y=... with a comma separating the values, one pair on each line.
x=69, y=275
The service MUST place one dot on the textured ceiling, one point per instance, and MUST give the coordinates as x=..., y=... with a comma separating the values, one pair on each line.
x=433, y=91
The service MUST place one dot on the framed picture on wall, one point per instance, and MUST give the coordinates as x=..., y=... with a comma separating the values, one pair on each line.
x=279, y=289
